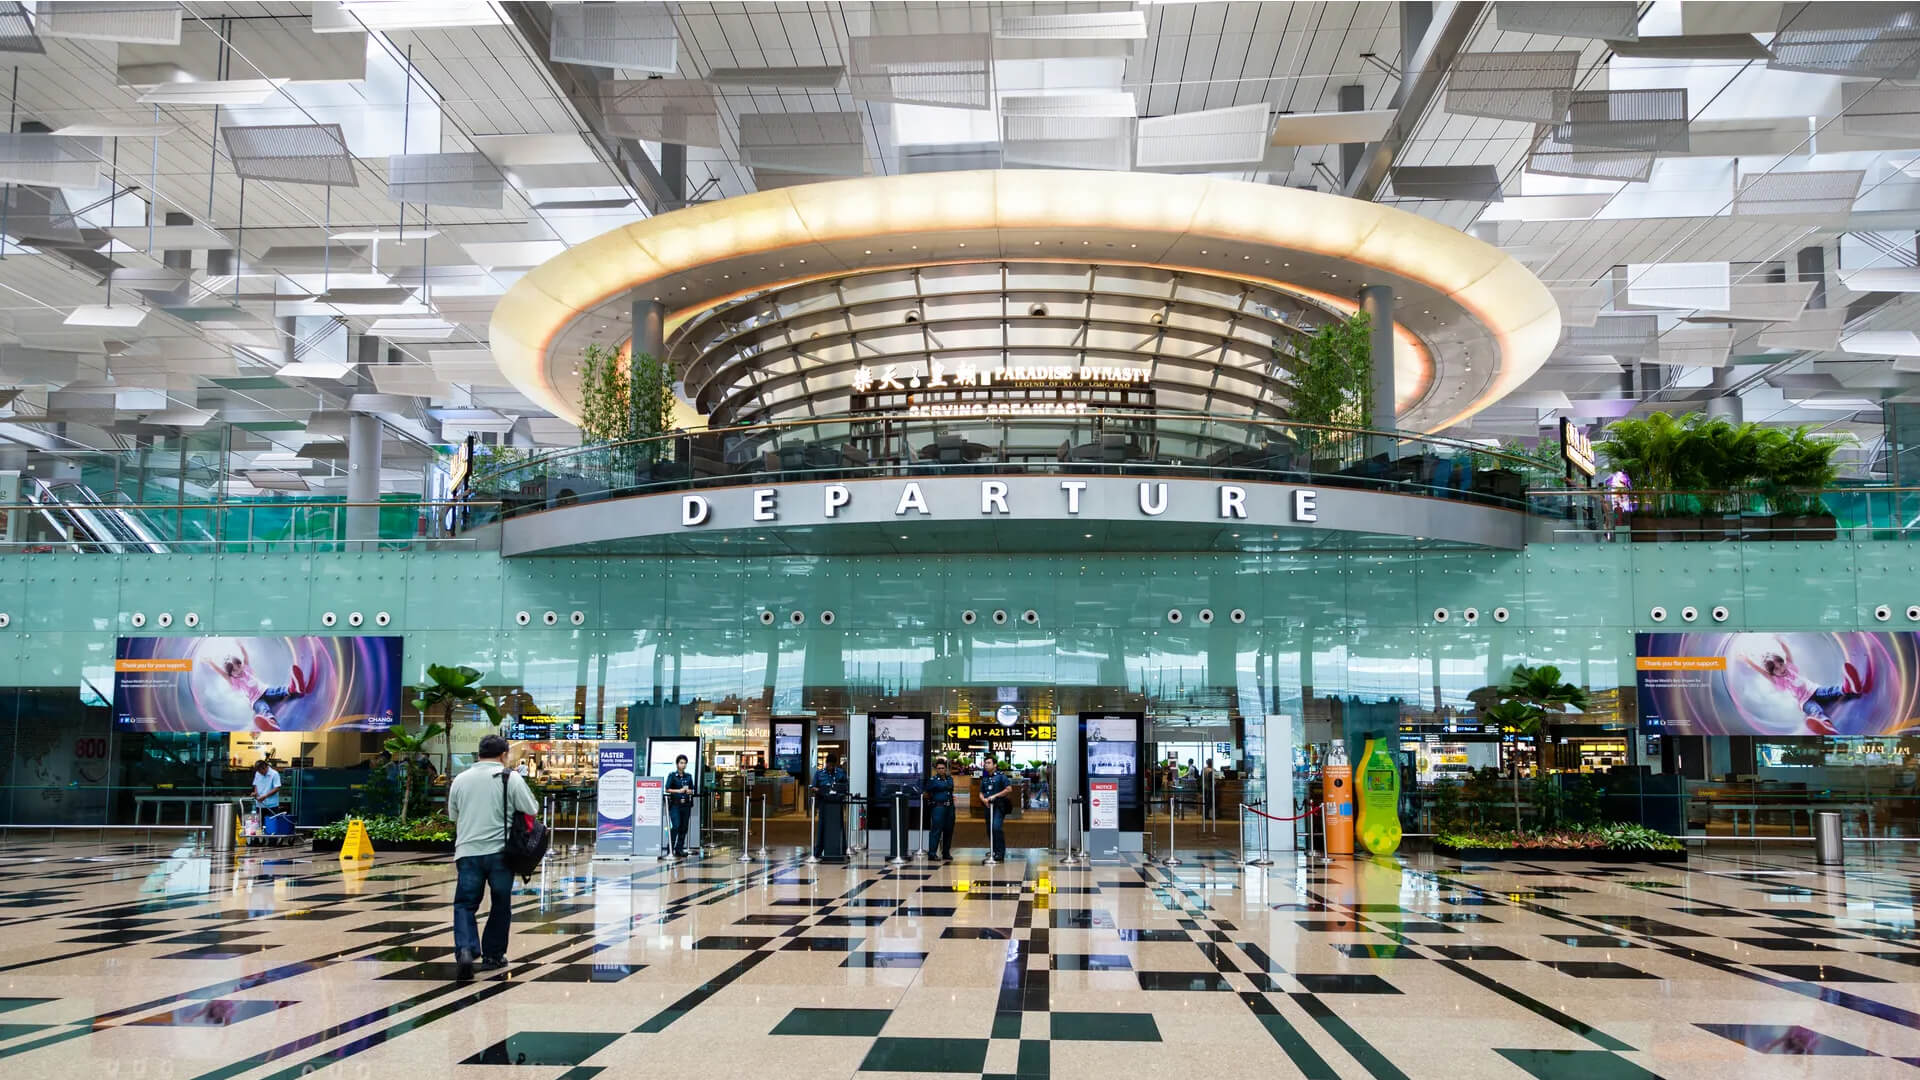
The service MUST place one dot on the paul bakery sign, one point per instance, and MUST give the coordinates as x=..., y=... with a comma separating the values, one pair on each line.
x=934, y=502
x=994, y=498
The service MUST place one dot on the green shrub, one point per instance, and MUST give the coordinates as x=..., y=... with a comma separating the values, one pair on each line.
x=392, y=830
x=1619, y=837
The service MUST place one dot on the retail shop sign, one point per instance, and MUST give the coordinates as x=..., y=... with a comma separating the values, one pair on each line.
x=1232, y=501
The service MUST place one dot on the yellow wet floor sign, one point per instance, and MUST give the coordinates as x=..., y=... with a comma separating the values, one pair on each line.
x=358, y=845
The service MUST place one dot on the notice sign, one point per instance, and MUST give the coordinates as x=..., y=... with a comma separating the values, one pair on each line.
x=613, y=835
x=648, y=795
x=1103, y=798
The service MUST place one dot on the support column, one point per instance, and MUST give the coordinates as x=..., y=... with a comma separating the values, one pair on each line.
x=1728, y=408
x=1810, y=264
x=1352, y=99
x=363, y=456
x=1377, y=302
x=649, y=326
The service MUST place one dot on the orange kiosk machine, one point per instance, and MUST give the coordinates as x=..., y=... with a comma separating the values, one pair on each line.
x=1337, y=788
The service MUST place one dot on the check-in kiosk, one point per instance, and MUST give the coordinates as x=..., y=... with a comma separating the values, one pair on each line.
x=1113, y=812
x=898, y=764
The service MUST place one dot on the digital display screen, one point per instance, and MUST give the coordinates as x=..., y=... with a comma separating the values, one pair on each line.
x=1807, y=683
x=192, y=683
x=661, y=753
x=790, y=747
x=1110, y=750
x=897, y=759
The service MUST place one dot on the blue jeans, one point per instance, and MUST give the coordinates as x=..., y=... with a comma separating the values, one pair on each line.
x=998, y=825
x=479, y=873
x=678, y=818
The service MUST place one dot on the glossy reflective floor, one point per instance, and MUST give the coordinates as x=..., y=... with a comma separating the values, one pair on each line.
x=135, y=961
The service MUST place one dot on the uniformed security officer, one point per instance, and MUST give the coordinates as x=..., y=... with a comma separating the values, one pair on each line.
x=829, y=796
x=680, y=792
x=940, y=804
x=997, y=792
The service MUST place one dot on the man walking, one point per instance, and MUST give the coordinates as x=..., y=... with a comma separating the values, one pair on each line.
x=477, y=803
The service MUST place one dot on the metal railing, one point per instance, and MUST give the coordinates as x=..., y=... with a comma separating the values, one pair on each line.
x=1162, y=444
x=203, y=528
x=1850, y=511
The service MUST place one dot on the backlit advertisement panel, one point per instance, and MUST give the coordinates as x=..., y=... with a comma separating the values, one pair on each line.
x=1806, y=683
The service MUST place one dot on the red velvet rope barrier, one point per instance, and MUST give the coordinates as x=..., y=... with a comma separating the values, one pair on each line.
x=1308, y=812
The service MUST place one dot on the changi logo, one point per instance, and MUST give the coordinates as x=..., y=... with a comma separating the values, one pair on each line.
x=696, y=510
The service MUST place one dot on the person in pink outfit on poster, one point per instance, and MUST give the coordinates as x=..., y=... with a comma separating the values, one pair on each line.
x=1779, y=669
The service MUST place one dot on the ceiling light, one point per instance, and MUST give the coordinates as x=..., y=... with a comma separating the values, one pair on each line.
x=126, y=315
x=119, y=131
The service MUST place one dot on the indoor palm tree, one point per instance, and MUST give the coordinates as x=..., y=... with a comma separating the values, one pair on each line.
x=1529, y=696
x=409, y=748
x=453, y=686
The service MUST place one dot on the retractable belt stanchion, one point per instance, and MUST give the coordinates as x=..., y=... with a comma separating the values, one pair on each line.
x=861, y=847
x=813, y=832
x=1075, y=855
x=1266, y=823
x=987, y=804
x=762, y=853
x=1173, y=857
x=746, y=820
x=921, y=851
x=896, y=842
x=665, y=849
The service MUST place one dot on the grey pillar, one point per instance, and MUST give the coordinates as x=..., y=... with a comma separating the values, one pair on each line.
x=649, y=326
x=1352, y=99
x=1811, y=265
x=673, y=173
x=363, y=476
x=1727, y=407
x=1377, y=302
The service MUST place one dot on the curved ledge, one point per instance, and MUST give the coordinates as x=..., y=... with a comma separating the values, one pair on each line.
x=1491, y=321
x=1010, y=512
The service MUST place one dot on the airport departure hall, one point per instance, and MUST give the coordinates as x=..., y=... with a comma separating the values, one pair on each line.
x=1008, y=539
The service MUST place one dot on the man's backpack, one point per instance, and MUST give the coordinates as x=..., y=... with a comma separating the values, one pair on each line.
x=527, y=838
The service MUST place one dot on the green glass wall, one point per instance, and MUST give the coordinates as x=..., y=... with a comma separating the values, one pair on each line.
x=661, y=640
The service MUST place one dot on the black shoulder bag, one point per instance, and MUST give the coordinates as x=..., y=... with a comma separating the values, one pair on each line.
x=527, y=838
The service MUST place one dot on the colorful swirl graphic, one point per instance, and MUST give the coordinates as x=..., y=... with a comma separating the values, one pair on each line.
x=1779, y=684
x=256, y=683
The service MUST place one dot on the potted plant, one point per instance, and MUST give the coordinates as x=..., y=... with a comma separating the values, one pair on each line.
x=1527, y=698
x=1726, y=458
x=1332, y=386
x=1652, y=451
x=1794, y=466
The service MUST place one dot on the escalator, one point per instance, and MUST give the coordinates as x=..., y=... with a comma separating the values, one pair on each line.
x=70, y=515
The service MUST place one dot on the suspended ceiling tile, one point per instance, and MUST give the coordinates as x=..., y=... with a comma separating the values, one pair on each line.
x=1900, y=279
x=683, y=111
x=172, y=238
x=1652, y=119
x=1326, y=128
x=1882, y=342
x=38, y=214
x=414, y=380
x=405, y=330
x=1692, y=47
x=1231, y=136
x=1728, y=17
x=356, y=16
x=331, y=370
x=1680, y=285
x=291, y=154
x=87, y=20
x=1695, y=345
x=808, y=144
x=1580, y=305
x=817, y=77
x=513, y=254
x=1880, y=109
x=1617, y=20
x=124, y=316
x=1552, y=156
x=1071, y=35
x=1769, y=301
x=1613, y=335
x=1468, y=183
x=1816, y=330
x=16, y=30
x=214, y=93
x=1824, y=194
x=949, y=157
x=568, y=148
x=1862, y=40
x=947, y=70
x=460, y=179
x=50, y=160
x=1531, y=86
x=623, y=36
x=1068, y=131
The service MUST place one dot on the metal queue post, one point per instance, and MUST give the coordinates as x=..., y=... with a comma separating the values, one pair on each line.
x=896, y=842
x=762, y=853
x=746, y=820
x=666, y=850
x=987, y=804
x=1173, y=858
x=1265, y=826
x=921, y=851
x=1075, y=856
x=865, y=824
x=813, y=830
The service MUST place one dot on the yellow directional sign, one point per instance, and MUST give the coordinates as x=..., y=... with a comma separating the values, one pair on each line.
x=358, y=844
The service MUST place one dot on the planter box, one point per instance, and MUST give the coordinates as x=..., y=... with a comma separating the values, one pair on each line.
x=1803, y=527
x=436, y=847
x=1648, y=528
x=1602, y=855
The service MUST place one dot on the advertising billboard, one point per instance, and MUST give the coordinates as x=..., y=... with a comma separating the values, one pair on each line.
x=256, y=683
x=897, y=761
x=1110, y=750
x=1805, y=683
x=790, y=748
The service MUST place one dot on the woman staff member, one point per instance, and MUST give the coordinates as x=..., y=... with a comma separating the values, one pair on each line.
x=940, y=802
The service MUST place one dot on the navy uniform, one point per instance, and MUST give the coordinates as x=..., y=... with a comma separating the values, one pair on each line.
x=679, y=808
x=940, y=825
x=997, y=810
x=829, y=796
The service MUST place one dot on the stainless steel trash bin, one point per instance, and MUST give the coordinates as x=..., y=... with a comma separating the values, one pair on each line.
x=1828, y=842
x=223, y=823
